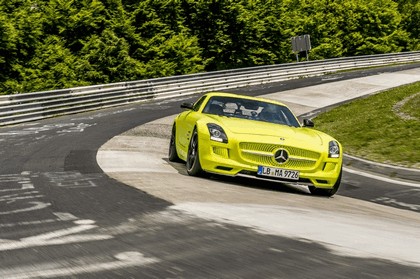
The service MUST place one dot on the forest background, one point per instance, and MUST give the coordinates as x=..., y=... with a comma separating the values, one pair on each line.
x=54, y=44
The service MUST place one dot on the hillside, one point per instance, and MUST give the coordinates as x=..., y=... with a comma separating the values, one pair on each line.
x=51, y=44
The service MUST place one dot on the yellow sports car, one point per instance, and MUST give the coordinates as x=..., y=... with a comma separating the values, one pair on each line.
x=231, y=134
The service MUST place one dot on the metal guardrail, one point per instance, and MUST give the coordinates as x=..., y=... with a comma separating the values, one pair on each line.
x=19, y=108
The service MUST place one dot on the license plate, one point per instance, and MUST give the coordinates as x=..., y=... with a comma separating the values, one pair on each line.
x=278, y=173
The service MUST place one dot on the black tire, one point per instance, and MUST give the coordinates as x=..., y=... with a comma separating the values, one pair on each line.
x=326, y=192
x=172, y=154
x=193, y=159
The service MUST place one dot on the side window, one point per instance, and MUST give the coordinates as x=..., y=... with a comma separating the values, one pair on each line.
x=197, y=104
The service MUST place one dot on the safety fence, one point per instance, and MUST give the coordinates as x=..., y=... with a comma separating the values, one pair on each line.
x=19, y=108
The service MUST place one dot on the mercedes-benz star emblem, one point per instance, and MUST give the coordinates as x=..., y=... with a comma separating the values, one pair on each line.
x=281, y=156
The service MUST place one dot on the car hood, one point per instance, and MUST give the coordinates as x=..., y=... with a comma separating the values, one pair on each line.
x=259, y=128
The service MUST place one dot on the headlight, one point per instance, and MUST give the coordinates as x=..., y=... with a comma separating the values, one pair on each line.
x=333, y=149
x=217, y=133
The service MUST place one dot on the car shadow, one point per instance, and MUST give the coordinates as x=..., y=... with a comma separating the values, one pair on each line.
x=261, y=184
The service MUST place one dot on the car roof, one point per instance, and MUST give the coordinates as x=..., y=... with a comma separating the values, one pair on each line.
x=234, y=95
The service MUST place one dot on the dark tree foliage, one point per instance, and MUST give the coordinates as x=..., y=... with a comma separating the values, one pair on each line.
x=53, y=44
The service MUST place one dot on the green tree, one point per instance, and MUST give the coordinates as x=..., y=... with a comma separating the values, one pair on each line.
x=410, y=12
x=21, y=30
x=8, y=46
x=106, y=59
x=162, y=42
x=320, y=19
x=348, y=28
x=75, y=20
x=223, y=29
x=276, y=30
x=52, y=67
x=369, y=27
x=50, y=44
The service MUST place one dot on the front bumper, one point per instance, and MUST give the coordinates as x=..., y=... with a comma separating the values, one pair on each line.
x=239, y=158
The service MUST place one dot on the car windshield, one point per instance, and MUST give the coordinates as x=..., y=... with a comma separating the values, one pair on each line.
x=250, y=109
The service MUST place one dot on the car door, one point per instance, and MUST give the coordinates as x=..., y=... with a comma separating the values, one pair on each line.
x=186, y=123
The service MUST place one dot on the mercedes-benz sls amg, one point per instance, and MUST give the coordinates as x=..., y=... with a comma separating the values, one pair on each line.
x=230, y=134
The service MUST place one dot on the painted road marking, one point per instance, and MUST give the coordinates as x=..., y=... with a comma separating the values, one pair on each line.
x=58, y=237
x=16, y=197
x=61, y=127
x=64, y=268
x=36, y=206
x=65, y=216
x=61, y=216
x=72, y=179
x=20, y=183
x=28, y=223
x=23, y=182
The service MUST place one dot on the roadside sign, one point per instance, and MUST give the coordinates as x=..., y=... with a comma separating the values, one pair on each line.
x=301, y=44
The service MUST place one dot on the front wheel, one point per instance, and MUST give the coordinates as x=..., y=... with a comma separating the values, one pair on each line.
x=193, y=159
x=326, y=192
x=172, y=154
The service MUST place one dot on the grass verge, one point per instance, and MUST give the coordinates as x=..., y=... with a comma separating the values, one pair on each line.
x=384, y=127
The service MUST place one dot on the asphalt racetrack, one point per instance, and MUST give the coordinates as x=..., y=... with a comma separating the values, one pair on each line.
x=93, y=196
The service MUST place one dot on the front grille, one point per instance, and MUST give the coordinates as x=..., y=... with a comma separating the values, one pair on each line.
x=263, y=154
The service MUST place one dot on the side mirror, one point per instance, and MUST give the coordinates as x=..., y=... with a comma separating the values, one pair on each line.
x=308, y=123
x=187, y=105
